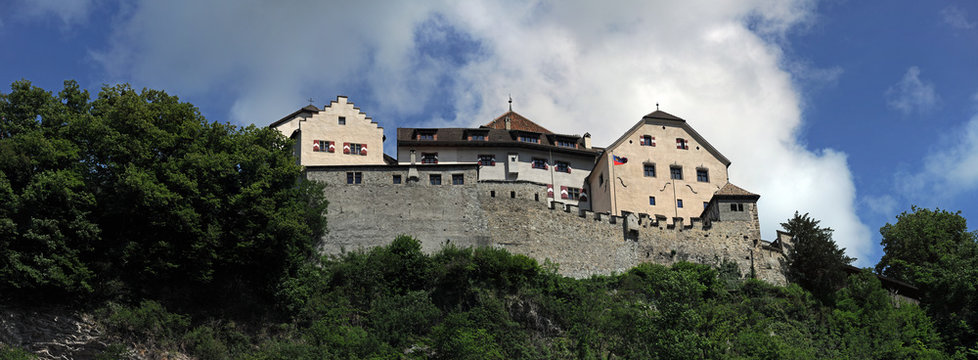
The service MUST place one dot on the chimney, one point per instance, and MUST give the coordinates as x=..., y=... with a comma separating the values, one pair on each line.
x=413, y=157
x=587, y=140
x=508, y=126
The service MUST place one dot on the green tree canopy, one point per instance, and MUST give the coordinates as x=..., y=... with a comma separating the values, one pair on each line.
x=814, y=260
x=933, y=250
x=136, y=191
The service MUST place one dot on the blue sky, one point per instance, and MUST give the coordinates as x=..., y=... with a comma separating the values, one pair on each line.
x=850, y=110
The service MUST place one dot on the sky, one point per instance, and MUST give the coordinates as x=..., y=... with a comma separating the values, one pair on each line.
x=851, y=111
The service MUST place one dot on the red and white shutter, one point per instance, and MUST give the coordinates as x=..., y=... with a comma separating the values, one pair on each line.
x=332, y=147
x=679, y=143
x=363, y=150
x=583, y=194
x=550, y=190
x=653, y=141
x=315, y=145
x=563, y=192
x=346, y=148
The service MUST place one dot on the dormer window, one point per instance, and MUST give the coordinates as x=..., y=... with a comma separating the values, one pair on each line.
x=565, y=143
x=427, y=135
x=533, y=139
x=477, y=137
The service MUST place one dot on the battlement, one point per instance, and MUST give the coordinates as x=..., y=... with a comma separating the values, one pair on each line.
x=519, y=217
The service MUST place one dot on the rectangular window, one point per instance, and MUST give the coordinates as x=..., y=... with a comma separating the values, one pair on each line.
x=649, y=170
x=427, y=135
x=736, y=207
x=356, y=149
x=676, y=172
x=479, y=137
x=565, y=143
x=434, y=179
x=487, y=160
x=396, y=180
x=321, y=146
x=574, y=193
x=529, y=139
x=341, y=120
x=648, y=140
x=354, y=177
x=652, y=200
x=539, y=164
x=682, y=144
x=679, y=203
x=429, y=158
x=458, y=179
x=702, y=175
x=562, y=166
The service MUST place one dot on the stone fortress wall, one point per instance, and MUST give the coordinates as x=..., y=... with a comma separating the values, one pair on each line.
x=519, y=217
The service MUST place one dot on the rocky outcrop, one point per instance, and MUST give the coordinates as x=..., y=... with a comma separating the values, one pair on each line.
x=52, y=333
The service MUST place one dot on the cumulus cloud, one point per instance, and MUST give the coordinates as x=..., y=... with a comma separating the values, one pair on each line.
x=574, y=67
x=911, y=94
x=949, y=169
x=957, y=18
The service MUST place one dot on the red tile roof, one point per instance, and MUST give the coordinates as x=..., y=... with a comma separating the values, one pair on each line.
x=516, y=122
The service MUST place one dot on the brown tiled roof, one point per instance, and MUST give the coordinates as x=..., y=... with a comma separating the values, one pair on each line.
x=733, y=190
x=516, y=122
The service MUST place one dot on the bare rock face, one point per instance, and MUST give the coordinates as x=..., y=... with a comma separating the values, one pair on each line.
x=51, y=333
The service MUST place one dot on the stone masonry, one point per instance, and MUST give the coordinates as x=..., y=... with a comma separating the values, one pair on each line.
x=516, y=216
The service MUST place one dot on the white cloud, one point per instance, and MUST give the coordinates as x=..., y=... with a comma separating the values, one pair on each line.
x=571, y=66
x=949, y=169
x=911, y=94
x=70, y=12
x=957, y=18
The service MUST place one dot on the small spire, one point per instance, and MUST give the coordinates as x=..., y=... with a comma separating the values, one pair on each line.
x=510, y=102
x=311, y=100
x=657, y=106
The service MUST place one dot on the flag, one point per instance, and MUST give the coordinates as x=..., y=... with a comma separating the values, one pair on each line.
x=619, y=160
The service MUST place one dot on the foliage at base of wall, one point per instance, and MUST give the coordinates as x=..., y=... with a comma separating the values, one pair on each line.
x=484, y=303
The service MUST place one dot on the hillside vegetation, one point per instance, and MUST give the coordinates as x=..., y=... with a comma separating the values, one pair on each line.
x=183, y=235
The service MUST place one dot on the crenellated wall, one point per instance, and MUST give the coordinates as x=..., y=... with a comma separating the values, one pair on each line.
x=517, y=216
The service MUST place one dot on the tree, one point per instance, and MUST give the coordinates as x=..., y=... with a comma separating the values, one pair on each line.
x=814, y=260
x=933, y=250
x=136, y=187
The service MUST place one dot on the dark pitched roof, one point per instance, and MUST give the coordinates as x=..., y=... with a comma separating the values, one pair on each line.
x=516, y=122
x=308, y=109
x=459, y=137
x=662, y=115
x=733, y=190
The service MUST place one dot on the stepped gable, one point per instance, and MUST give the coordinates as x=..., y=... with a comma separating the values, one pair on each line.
x=733, y=191
x=516, y=122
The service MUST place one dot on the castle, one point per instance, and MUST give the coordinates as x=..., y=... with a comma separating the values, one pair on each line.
x=658, y=194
